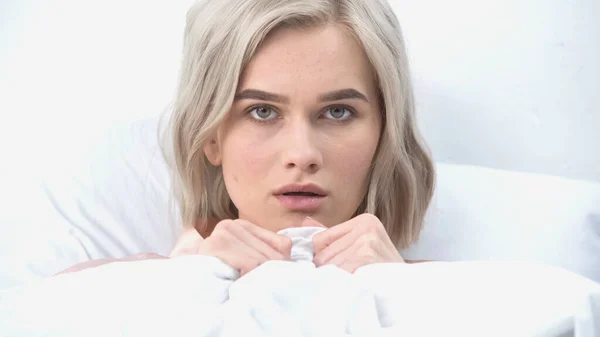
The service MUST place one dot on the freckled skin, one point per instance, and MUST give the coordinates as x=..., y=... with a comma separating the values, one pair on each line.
x=303, y=144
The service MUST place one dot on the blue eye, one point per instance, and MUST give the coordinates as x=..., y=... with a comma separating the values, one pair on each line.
x=339, y=113
x=263, y=113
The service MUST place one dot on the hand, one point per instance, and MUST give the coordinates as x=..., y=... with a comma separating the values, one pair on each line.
x=238, y=243
x=97, y=263
x=355, y=243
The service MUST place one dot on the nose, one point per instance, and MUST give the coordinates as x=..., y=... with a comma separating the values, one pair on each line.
x=300, y=148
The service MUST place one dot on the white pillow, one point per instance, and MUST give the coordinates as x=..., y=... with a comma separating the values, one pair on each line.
x=117, y=194
x=486, y=214
x=109, y=198
x=103, y=197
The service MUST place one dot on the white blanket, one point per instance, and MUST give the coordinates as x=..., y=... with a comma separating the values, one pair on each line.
x=201, y=296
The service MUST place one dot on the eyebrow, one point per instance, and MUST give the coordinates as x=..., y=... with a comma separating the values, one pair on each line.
x=261, y=96
x=337, y=95
x=343, y=94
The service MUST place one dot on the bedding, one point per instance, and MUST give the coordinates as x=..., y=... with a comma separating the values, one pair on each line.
x=201, y=296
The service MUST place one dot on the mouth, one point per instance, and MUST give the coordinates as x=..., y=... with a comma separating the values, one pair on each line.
x=302, y=194
x=307, y=198
x=307, y=190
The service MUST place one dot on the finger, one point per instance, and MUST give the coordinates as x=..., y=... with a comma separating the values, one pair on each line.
x=280, y=243
x=382, y=245
x=342, y=244
x=370, y=232
x=361, y=256
x=351, y=265
x=325, y=238
x=345, y=255
x=247, y=259
x=244, y=259
x=373, y=248
x=234, y=252
x=245, y=234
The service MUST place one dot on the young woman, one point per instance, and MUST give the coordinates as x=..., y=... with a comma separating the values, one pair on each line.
x=297, y=113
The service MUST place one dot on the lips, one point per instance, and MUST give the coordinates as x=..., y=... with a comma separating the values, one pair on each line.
x=305, y=198
x=310, y=190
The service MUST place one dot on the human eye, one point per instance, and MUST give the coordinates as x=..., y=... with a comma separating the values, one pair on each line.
x=338, y=113
x=262, y=113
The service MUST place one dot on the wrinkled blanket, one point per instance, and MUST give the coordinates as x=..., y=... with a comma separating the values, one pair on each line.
x=201, y=296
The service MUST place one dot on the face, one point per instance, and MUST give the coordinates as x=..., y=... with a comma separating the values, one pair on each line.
x=303, y=130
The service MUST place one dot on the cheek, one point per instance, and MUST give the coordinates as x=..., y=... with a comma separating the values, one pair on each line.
x=353, y=147
x=243, y=157
x=352, y=165
x=352, y=156
x=246, y=161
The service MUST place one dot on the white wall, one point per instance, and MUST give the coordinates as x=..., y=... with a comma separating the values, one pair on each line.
x=502, y=83
x=512, y=84
x=69, y=68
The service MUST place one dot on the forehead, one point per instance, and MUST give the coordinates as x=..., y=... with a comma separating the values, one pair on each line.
x=315, y=58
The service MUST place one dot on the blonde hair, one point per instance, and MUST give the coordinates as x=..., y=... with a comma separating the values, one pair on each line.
x=222, y=36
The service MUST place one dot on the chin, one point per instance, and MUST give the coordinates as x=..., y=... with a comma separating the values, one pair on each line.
x=292, y=220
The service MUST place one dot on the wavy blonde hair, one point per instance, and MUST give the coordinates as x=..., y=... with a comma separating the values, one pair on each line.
x=221, y=37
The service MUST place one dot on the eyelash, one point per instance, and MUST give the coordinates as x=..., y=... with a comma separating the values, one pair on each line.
x=249, y=111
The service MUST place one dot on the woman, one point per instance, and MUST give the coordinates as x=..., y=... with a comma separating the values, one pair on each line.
x=297, y=113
